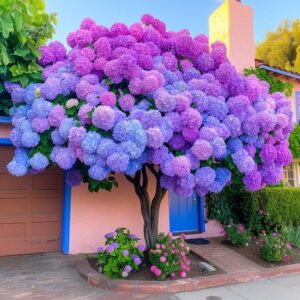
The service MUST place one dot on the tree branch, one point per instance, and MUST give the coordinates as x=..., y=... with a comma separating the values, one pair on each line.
x=130, y=179
x=152, y=170
x=145, y=179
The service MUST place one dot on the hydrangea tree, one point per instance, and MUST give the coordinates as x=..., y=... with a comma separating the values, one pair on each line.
x=141, y=100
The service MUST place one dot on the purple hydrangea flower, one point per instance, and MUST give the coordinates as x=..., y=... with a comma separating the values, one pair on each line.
x=205, y=176
x=65, y=158
x=181, y=166
x=103, y=117
x=202, y=149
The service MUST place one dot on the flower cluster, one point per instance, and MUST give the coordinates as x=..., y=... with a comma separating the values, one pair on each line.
x=121, y=254
x=236, y=234
x=169, y=257
x=274, y=248
x=126, y=96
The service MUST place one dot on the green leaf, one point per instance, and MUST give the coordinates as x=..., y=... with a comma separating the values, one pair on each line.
x=23, y=79
x=22, y=52
x=4, y=55
x=36, y=76
x=17, y=18
x=1, y=88
x=7, y=25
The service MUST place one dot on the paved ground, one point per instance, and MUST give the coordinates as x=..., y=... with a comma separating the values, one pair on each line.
x=53, y=276
x=280, y=288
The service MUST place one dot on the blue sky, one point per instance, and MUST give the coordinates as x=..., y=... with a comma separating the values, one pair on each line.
x=177, y=14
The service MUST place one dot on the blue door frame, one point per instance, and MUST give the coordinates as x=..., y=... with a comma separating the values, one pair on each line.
x=193, y=217
x=66, y=209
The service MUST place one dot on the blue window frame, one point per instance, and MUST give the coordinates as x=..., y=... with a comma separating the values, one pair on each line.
x=5, y=120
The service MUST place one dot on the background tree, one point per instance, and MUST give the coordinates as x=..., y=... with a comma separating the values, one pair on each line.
x=141, y=101
x=281, y=48
x=294, y=141
x=24, y=26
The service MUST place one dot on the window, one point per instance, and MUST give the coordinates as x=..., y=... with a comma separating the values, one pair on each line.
x=288, y=175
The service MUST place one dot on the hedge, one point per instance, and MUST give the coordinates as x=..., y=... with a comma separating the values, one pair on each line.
x=279, y=206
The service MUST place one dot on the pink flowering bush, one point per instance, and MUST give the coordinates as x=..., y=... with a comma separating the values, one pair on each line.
x=169, y=257
x=149, y=99
x=274, y=248
x=121, y=255
x=236, y=234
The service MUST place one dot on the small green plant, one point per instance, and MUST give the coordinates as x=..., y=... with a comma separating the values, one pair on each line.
x=292, y=235
x=169, y=257
x=121, y=254
x=273, y=247
x=236, y=234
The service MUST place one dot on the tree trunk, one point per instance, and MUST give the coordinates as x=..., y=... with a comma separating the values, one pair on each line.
x=149, y=207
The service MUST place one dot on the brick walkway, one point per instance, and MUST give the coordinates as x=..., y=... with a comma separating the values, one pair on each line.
x=225, y=258
x=237, y=267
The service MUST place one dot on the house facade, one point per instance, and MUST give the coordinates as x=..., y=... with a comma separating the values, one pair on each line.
x=40, y=213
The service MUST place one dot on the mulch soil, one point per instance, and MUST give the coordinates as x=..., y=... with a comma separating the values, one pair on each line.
x=252, y=252
x=143, y=273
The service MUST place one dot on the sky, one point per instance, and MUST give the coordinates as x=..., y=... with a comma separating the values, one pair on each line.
x=177, y=14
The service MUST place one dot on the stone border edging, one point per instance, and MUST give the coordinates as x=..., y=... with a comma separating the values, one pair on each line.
x=97, y=279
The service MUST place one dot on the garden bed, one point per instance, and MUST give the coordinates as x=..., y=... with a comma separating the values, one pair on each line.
x=143, y=273
x=252, y=252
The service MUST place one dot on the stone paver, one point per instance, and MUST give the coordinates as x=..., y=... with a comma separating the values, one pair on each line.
x=267, y=289
x=52, y=276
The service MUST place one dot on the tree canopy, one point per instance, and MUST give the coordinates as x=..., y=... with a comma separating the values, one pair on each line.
x=281, y=48
x=142, y=100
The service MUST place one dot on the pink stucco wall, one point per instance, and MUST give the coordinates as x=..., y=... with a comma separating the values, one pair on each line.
x=292, y=98
x=232, y=23
x=94, y=214
x=242, y=48
x=4, y=130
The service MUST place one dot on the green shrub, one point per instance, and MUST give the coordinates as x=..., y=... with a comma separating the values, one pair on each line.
x=273, y=248
x=223, y=206
x=169, y=258
x=294, y=141
x=292, y=235
x=236, y=235
x=24, y=26
x=281, y=206
x=121, y=254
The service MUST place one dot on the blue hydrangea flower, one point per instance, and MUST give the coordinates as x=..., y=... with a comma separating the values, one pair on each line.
x=91, y=142
x=39, y=161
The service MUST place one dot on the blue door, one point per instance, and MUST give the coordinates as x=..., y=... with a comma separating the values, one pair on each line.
x=186, y=213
